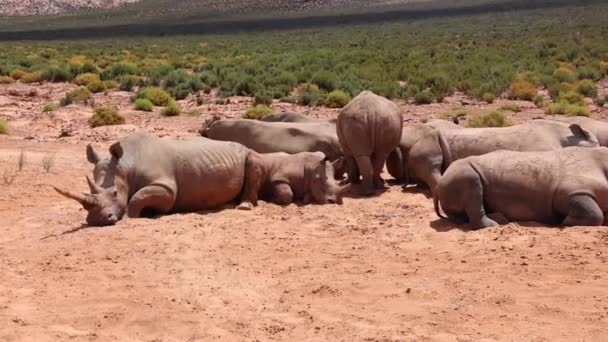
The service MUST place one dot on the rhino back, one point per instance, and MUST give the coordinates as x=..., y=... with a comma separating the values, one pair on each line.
x=597, y=127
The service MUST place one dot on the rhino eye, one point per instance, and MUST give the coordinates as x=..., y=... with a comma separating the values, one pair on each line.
x=115, y=193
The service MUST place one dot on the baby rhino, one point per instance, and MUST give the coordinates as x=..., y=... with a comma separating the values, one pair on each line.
x=146, y=174
x=567, y=186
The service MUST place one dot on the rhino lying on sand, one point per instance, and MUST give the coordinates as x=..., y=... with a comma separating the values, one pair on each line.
x=567, y=186
x=432, y=154
x=270, y=137
x=292, y=117
x=410, y=135
x=162, y=176
x=598, y=128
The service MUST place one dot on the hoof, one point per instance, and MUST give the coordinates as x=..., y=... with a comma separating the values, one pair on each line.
x=245, y=206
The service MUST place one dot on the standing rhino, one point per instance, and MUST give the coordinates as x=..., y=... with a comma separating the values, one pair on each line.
x=149, y=174
x=396, y=164
x=598, y=128
x=270, y=137
x=369, y=129
x=291, y=117
x=432, y=154
x=567, y=186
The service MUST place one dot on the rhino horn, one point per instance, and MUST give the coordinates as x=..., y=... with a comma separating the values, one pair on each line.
x=87, y=201
x=95, y=189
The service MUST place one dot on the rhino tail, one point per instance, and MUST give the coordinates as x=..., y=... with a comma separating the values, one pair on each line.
x=208, y=123
x=445, y=151
x=438, y=207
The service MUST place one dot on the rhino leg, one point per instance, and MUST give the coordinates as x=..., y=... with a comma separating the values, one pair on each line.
x=378, y=162
x=352, y=170
x=282, y=194
x=367, y=173
x=154, y=197
x=254, y=178
x=583, y=211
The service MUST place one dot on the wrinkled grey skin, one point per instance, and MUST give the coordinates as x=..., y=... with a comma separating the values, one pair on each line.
x=396, y=164
x=290, y=177
x=166, y=176
x=292, y=117
x=567, y=186
x=369, y=129
x=598, y=128
x=432, y=154
x=270, y=137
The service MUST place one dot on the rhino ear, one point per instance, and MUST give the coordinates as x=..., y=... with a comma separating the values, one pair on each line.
x=456, y=120
x=116, y=150
x=92, y=155
x=579, y=131
x=338, y=164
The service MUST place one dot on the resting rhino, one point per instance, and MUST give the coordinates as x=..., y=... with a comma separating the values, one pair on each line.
x=598, y=128
x=146, y=173
x=270, y=137
x=567, y=186
x=292, y=117
x=432, y=154
x=396, y=165
x=369, y=129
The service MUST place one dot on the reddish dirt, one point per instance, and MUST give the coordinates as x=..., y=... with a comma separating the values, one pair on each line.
x=376, y=269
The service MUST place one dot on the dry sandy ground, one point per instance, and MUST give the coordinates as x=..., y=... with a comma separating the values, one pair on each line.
x=377, y=269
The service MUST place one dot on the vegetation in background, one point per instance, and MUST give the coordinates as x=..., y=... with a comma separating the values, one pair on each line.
x=3, y=126
x=172, y=109
x=50, y=107
x=105, y=116
x=491, y=119
x=144, y=104
x=257, y=112
x=511, y=107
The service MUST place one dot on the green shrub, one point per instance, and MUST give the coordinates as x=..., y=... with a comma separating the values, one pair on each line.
x=172, y=109
x=120, y=69
x=127, y=82
x=423, y=97
x=309, y=98
x=565, y=74
x=56, y=74
x=144, y=104
x=512, y=107
x=488, y=97
x=50, y=107
x=81, y=94
x=587, y=88
x=588, y=72
x=337, y=99
x=96, y=87
x=454, y=113
x=522, y=89
x=572, y=98
x=262, y=99
x=17, y=74
x=105, y=116
x=194, y=112
x=568, y=109
x=86, y=78
x=491, y=119
x=257, y=112
x=307, y=88
x=600, y=101
x=110, y=84
x=157, y=96
x=4, y=128
x=32, y=77
x=325, y=80
x=6, y=80
x=539, y=101
x=604, y=68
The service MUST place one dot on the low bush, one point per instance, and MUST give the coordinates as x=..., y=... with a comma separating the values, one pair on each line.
x=4, y=128
x=600, y=101
x=262, y=99
x=257, y=112
x=325, y=80
x=512, y=107
x=32, y=77
x=572, y=98
x=157, y=96
x=565, y=74
x=309, y=98
x=17, y=74
x=86, y=78
x=587, y=88
x=337, y=99
x=172, y=109
x=588, y=72
x=194, y=112
x=522, y=89
x=423, y=97
x=144, y=105
x=50, y=107
x=106, y=116
x=6, y=80
x=110, y=84
x=307, y=88
x=454, y=113
x=81, y=94
x=568, y=109
x=56, y=74
x=96, y=87
x=488, y=97
x=491, y=119
x=127, y=82
x=539, y=101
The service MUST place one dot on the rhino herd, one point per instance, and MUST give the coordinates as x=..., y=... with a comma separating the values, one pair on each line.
x=549, y=171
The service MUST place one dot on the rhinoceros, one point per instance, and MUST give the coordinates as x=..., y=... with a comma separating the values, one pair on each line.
x=432, y=154
x=567, y=186
x=369, y=129
x=396, y=164
x=598, y=128
x=270, y=137
x=292, y=117
x=149, y=174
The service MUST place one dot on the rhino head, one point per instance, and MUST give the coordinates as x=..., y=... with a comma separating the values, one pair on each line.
x=323, y=186
x=106, y=203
